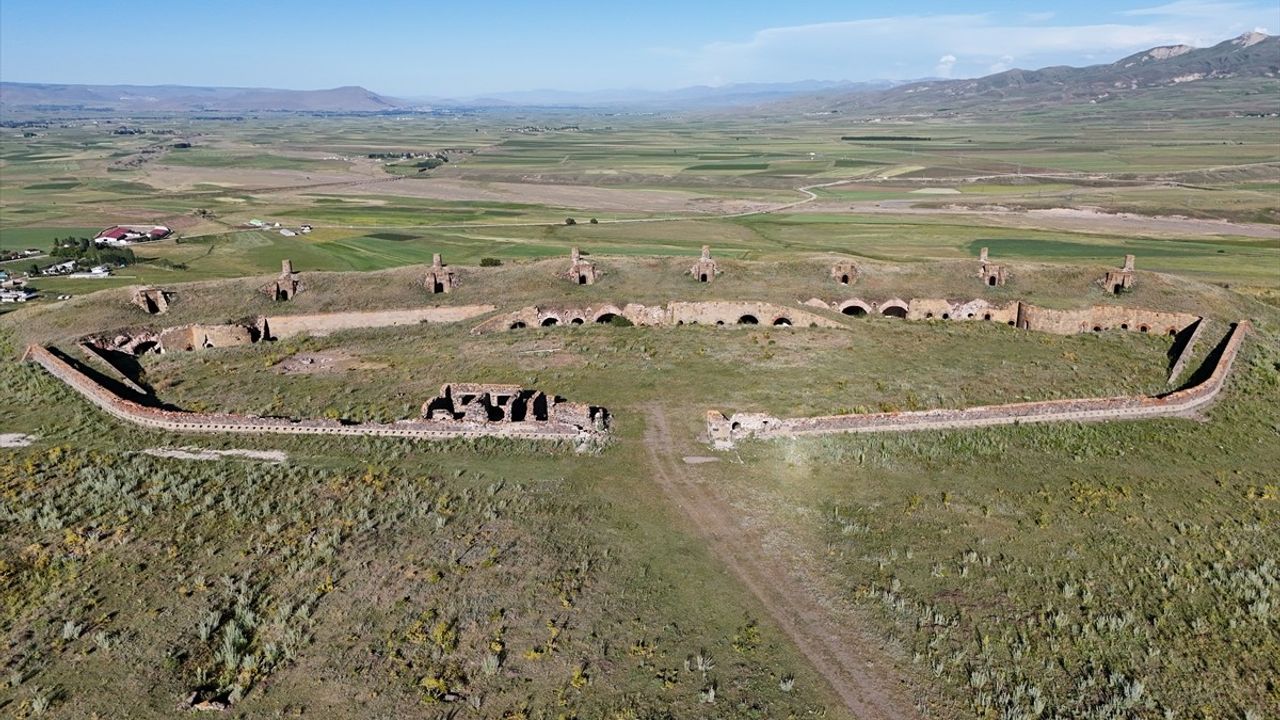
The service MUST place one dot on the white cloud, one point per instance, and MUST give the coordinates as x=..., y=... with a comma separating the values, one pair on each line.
x=1188, y=9
x=961, y=45
x=1005, y=62
x=945, y=65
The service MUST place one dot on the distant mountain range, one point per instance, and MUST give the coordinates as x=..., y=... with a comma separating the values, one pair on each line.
x=1248, y=64
x=696, y=96
x=183, y=98
x=1250, y=61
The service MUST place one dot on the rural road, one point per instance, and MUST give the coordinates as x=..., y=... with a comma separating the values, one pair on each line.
x=846, y=657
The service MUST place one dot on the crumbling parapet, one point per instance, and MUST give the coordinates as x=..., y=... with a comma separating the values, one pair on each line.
x=286, y=285
x=440, y=278
x=706, y=269
x=152, y=301
x=845, y=272
x=559, y=426
x=1122, y=280
x=581, y=272
x=724, y=432
x=505, y=404
x=992, y=274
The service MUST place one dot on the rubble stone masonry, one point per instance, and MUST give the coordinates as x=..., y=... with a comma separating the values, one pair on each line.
x=723, y=432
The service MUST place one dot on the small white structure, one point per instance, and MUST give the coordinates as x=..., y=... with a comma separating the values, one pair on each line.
x=287, y=232
x=95, y=273
x=16, y=295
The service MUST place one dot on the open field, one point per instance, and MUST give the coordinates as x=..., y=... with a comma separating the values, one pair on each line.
x=1123, y=569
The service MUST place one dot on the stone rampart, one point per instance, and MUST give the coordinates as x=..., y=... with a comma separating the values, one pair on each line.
x=281, y=326
x=724, y=432
x=1184, y=357
x=179, y=421
x=1025, y=315
x=675, y=313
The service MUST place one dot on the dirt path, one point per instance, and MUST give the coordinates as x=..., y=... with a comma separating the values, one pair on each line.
x=843, y=654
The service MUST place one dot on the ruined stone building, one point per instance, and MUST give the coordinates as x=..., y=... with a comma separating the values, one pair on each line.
x=1118, y=281
x=152, y=301
x=286, y=285
x=440, y=278
x=992, y=274
x=705, y=270
x=581, y=272
x=489, y=403
x=845, y=272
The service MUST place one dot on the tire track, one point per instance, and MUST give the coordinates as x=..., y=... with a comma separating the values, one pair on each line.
x=850, y=661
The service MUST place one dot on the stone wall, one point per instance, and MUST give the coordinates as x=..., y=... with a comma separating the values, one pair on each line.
x=184, y=338
x=1027, y=316
x=676, y=313
x=282, y=326
x=723, y=431
x=1188, y=349
x=556, y=428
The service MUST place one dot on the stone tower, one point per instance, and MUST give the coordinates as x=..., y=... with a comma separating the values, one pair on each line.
x=439, y=278
x=581, y=272
x=1118, y=281
x=992, y=274
x=286, y=285
x=845, y=272
x=705, y=270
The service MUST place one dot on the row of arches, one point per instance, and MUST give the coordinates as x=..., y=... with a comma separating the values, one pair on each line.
x=603, y=318
x=607, y=318
x=889, y=308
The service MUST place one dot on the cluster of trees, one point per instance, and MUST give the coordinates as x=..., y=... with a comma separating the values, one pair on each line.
x=86, y=252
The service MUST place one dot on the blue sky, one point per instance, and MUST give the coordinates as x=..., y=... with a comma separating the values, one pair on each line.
x=470, y=48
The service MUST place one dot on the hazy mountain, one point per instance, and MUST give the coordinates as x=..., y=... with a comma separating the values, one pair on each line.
x=1248, y=64
x=697, y=96
x=182, y=98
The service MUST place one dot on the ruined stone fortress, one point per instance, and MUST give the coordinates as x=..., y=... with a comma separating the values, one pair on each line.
x=488, y=410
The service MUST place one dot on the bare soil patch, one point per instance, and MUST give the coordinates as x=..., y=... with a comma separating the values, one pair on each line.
x=575, y=197
x=1092, y=220
x=188, y=453
x=318, y=363
x=16, y=440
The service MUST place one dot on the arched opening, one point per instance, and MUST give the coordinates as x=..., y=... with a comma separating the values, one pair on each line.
x=748, y=320
x=702, y=277
x=576, y=321
x=946, y=316
x=894, y=311
x=548, y=322
x=679, y=322
x=986, y=316
x=1117, y=288
x=1010, y=323
x=854, y=310
x=969, y=316
x=844, y=279
x=736, y=426
x=1124, y=326
x=782, y=322
x=719, y=322
x=437, y=287
x=518, y=325
x=1143, y=328
x=928, y=316
x=582, y=279
x=1097, y=328
x=606, y=318
x=1173, y=332
x=991, y=281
